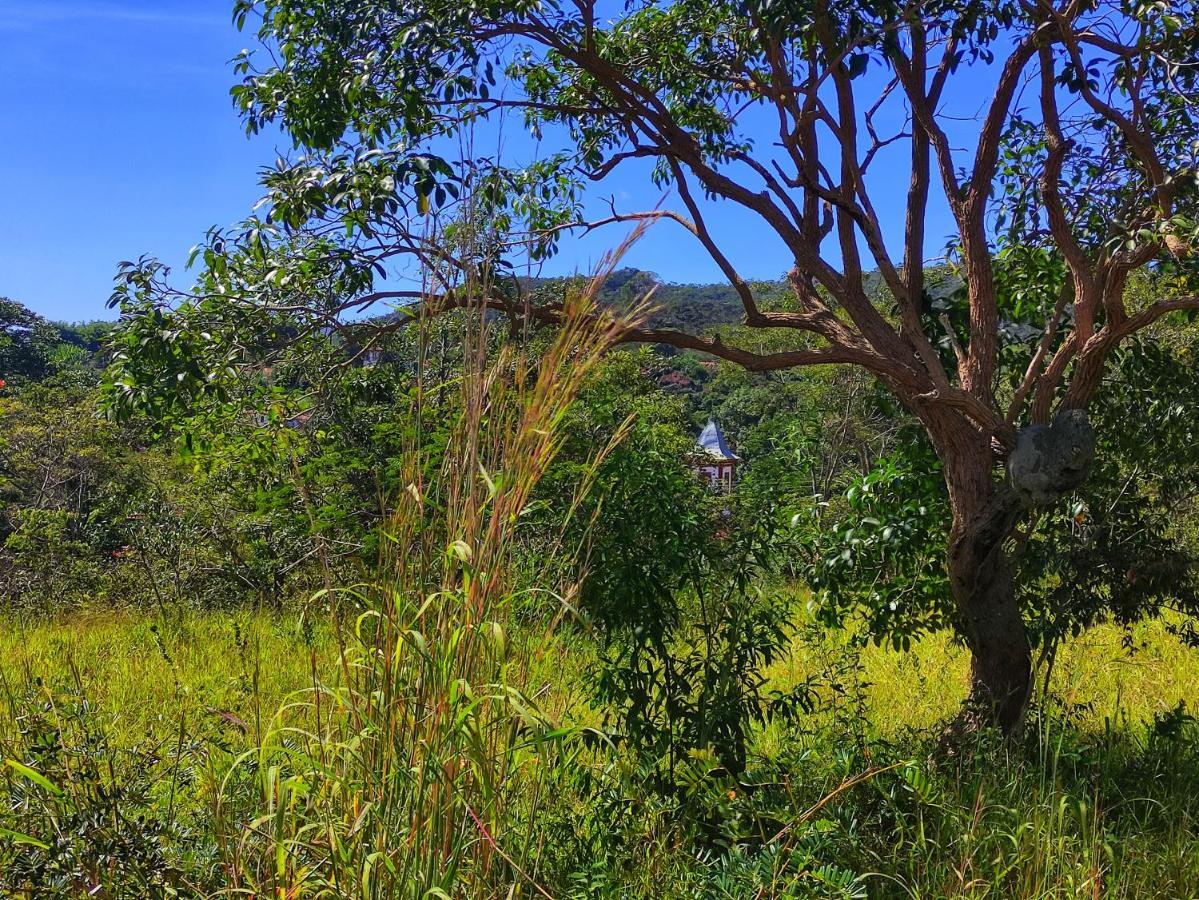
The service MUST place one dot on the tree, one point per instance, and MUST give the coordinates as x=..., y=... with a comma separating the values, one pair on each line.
x=1079, y=175
x=1120, y=549
x=27, y=343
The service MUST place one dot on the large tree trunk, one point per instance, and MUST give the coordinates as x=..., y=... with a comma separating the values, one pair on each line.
x=980, y=576
x=1048, y=462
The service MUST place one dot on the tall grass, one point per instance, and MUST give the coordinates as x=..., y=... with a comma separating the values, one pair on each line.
x=423, y=772
x=1077, y=809
x=1060, y=814
x=112, y=726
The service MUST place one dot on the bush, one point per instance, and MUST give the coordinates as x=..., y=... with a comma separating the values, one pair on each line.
x=82, y=817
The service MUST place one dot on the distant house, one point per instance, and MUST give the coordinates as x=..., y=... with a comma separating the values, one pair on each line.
x=714, y=462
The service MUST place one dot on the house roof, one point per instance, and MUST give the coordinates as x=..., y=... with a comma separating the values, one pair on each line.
x=711, y=441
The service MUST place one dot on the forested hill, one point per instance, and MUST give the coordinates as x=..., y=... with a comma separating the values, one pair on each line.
x=688, y=307
x=698, y=307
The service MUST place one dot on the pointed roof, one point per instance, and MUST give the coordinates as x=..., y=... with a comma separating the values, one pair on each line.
x=712, y=441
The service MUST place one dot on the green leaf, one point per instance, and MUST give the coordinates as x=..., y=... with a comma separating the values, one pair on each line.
x=36, y=777
x=18, y=838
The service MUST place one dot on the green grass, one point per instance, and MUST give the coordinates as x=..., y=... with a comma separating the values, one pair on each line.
x=144, y=672
x=1105, y=674
x=1103, y=806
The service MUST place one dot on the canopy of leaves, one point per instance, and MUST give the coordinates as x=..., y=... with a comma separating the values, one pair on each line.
x=27, y=343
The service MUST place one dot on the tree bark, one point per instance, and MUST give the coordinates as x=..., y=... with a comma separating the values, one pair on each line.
x=980, y=576
x=1047, y=463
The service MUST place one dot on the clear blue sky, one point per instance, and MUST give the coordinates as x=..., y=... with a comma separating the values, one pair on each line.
x=118, y=139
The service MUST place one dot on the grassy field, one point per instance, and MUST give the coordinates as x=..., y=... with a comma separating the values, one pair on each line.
x=144, y=671
x=1099, y=800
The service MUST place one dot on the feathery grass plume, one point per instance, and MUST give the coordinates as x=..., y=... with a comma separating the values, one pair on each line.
x=425, y=766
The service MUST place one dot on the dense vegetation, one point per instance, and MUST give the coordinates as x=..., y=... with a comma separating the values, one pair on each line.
x=687, y=682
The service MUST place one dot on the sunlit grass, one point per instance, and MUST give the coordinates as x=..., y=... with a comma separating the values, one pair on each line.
x=144, y=673
x=1113, y=821
x=1107, y=674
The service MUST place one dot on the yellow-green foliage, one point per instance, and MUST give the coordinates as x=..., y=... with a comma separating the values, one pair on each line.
x=1104, y=814
x=145, y=672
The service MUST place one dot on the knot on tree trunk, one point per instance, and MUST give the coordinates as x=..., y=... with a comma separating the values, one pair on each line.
x=1051, y=460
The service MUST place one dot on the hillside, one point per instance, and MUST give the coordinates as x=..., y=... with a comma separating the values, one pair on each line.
x=687, y=307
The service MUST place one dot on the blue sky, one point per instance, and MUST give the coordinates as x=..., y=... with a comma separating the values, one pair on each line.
x=118, y=139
